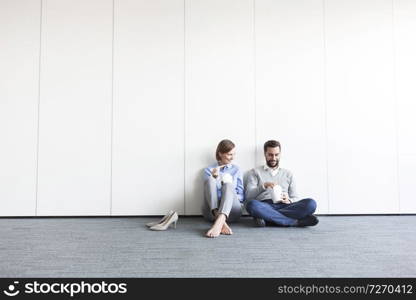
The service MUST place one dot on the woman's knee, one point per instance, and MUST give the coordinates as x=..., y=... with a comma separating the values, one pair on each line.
x=210, y=181
x=227, y=186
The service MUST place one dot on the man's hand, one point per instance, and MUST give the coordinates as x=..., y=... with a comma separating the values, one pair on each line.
x=269, y=185
x=285, y=198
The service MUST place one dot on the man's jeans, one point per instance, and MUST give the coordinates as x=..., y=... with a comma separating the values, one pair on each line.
x=281, y=213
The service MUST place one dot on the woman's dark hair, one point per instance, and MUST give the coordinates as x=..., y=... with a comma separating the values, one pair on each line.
x=224, y=146
x=271, y=144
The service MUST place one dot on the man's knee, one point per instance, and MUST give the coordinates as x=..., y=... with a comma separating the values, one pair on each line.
x=252, y=205
x=310, y=205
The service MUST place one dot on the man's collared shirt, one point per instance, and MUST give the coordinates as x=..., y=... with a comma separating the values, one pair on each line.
x=272, y=171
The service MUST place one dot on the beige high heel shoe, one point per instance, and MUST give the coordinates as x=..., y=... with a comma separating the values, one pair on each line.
x=161, y=220
x=172, y=219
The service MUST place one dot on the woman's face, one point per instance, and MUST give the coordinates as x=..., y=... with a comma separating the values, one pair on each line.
x=227, y=158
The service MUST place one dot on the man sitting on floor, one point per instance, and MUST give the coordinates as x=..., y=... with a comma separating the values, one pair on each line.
x=271, y=194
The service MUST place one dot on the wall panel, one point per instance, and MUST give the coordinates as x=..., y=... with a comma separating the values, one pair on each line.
x=290, y=90
x=362, y=152
x=75, y=108
x=148, y=158
x=405, y=58
x=219, y=88
x=19, y=81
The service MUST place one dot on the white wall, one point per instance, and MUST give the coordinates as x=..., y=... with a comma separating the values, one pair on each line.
x=405, y=83
x=99, y=99
x=362, y=150
x=219, y=99
x=290, y=98
x=148, y=135
x=75, y=108
x=19, y=86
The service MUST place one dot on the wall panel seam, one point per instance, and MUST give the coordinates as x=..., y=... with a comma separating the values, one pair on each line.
x=184, y=107
x=396, y=103
x=255, y=81
x=112, y=112
x=325, y=98
x=38, y=109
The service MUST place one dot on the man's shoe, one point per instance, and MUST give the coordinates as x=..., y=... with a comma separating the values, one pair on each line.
x=310, y=220
x=259, y=222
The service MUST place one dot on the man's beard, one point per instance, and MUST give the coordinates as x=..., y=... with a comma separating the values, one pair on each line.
x=272, y=163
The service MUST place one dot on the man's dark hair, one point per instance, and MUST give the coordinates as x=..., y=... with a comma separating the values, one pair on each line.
x=271, y=144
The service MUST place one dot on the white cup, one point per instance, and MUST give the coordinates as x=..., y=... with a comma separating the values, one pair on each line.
x=285, y=195
x=227, y=178
x=277, y=193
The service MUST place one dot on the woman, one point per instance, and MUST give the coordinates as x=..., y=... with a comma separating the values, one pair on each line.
x=223, y=191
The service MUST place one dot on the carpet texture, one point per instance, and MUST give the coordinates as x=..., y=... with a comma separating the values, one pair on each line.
x=339, y=246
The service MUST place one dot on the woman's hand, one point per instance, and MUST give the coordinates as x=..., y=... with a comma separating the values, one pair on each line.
x=214, y=172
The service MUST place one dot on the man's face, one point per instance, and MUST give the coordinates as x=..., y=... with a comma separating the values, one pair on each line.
x=272, y=156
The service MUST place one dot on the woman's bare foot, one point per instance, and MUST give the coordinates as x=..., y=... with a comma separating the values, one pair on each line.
x=216, y=228
x=226, y=229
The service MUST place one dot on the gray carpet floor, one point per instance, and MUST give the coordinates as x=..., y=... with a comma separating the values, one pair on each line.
x=340, y=246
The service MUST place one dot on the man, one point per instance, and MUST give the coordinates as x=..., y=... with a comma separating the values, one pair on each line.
x=262, y=203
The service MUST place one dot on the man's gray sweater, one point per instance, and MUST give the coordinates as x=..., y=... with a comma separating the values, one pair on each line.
x=260, y=175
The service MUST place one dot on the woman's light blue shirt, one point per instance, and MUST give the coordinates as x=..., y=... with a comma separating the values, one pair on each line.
x=235, y=172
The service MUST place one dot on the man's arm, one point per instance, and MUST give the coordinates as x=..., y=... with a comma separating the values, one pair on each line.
x=253, y=187
x=293, y=195
x=240, y=186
